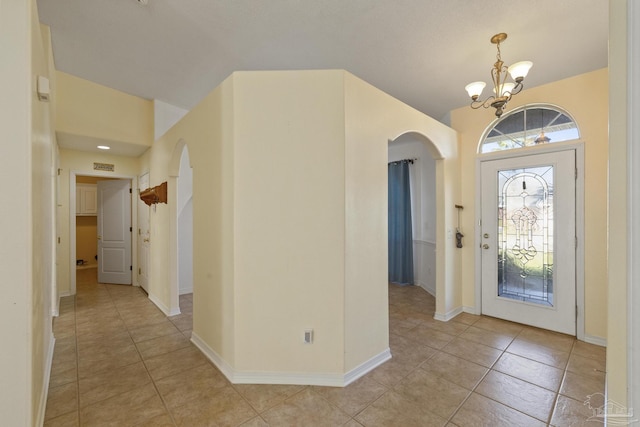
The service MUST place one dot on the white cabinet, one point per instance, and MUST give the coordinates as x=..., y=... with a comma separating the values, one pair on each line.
x=86, y=199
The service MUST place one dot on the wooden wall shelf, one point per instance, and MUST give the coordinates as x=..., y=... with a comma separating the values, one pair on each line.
x=153, y=195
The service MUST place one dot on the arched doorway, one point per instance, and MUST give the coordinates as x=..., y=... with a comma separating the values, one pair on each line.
x=181, y=228
x=446, y=288
x=413, y=148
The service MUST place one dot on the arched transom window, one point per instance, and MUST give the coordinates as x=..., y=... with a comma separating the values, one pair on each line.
x=529, y=126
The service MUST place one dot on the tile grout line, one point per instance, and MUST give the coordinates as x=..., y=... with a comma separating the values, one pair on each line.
x=489, y=369
x=153, y=382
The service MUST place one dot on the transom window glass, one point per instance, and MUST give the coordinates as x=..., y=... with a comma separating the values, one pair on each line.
x=529, y=126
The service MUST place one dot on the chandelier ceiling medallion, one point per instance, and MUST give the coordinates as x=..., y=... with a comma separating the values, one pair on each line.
x=503, y=90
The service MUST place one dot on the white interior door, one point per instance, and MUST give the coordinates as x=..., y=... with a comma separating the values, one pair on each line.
x=528, y=240
x=114, y=231
x=143, y=236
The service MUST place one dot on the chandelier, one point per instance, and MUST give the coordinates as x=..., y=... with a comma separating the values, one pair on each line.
x=503, y=90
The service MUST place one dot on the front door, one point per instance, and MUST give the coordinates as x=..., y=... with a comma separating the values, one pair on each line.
x=114, y=231
x=528, y=240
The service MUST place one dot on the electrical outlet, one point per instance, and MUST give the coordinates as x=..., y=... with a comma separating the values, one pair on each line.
x=308, y=336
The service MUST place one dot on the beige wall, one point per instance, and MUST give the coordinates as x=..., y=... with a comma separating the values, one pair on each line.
x=91, y=110
x=27, y=218
x=576, y=95
x=81, y=163
x=618, y=315
x=289, y=220
x=290, y=206
x=42, y=219
x=208, y=133
x=372, y=119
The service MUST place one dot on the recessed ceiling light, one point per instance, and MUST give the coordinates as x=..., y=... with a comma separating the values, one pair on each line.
x=104, y=147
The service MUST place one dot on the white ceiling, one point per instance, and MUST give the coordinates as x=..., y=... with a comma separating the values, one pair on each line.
x=422, y=52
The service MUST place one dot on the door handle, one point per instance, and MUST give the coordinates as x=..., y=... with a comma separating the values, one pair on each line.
x=99, y=237
x=145, y=240
x=485, y=246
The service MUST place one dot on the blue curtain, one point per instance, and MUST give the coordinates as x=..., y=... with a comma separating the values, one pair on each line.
x=400, y=232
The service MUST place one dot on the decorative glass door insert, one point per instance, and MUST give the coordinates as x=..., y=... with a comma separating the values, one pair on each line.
x=525, y=234
x=527, y=241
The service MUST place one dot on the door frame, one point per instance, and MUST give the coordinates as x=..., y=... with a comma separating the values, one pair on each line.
x=72, y=222
x=140, y=241
x=578, y=147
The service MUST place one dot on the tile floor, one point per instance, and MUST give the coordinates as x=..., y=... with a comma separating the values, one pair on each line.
x=120, y=362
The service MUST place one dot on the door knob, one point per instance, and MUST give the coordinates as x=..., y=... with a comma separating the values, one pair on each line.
x=485, y=246
x=99, y=237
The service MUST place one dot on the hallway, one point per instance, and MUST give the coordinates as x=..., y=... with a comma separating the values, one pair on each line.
x=119, y=361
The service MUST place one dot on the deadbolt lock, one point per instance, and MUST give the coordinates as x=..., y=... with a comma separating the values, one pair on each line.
x=486, y=235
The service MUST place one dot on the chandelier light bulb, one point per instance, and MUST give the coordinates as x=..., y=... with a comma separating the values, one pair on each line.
x=475, y=89
x=519, y=70
x=507, y=88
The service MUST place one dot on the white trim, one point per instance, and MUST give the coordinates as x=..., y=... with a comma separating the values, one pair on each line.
x=592, y=339
x=44, y=392
x=172, y=204
x=424, y=242
x=72, y=222
x=429, y=288
x=158, y=302
x=296, y=378
x=470, y=310
x=226, y=369
x=55, y=310
x=633, y=213
x=366, y=367
x=449, y=315
x=580, y=234
x=579, y=149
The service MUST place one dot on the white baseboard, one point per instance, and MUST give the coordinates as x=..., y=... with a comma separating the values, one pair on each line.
x=447, y=316
x=431, y=289
x=186, y=290
x=366, y=367
x=470, y=310
x=45, y=384
x=214, y=357
x=55, y=311
x=168, y=312
x=602, y=342
x=294, y=378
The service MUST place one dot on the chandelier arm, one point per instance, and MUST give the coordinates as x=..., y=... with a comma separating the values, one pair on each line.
x=516, y=89
x=484, y=104
x=489, y=101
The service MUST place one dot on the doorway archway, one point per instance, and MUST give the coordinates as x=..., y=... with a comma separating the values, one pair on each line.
x=446, y=292
x=423, y=205
x=180, y=187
